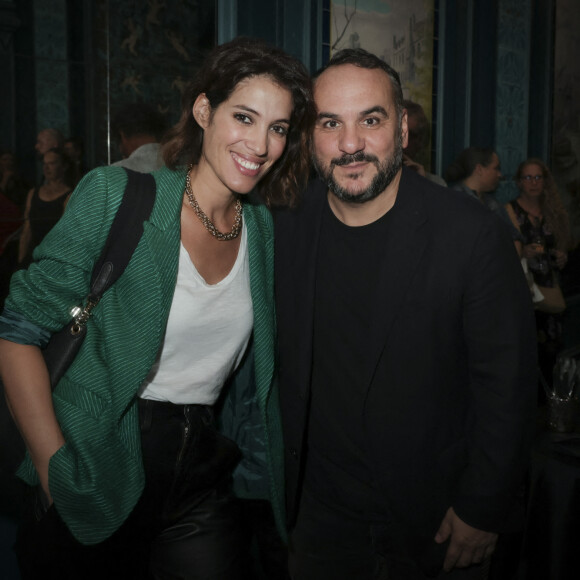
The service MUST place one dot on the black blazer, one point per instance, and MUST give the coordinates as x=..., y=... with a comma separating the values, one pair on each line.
x=451, y=370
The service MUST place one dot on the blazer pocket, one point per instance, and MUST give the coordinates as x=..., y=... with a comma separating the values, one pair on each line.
x=69, y=395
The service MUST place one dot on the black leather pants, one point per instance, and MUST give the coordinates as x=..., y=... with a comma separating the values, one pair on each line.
x=185, y=525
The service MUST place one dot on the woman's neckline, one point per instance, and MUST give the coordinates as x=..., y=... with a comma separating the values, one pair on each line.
x=535, y=212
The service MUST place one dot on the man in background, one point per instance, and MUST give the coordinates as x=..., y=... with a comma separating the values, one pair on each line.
x=416, y=153
x=139, y=128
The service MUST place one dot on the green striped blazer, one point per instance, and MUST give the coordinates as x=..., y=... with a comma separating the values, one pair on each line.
x=97, y=476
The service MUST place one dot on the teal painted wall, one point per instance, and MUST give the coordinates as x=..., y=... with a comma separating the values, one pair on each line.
x=293, y=25
x=51, y=58
x=512, y=94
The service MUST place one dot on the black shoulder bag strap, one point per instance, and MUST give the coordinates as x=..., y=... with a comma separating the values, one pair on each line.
x=124, y=235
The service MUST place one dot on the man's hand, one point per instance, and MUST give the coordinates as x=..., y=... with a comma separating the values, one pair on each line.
x=467, y=546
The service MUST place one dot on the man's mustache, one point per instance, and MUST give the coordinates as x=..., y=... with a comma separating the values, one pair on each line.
x=358, y=157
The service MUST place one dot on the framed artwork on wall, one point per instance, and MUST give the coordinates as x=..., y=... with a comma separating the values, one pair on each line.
x=400, y=33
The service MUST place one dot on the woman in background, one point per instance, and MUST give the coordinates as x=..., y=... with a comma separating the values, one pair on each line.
x=540, y=217
x=126, y=450
x=12, y=194
x=45, y=204
x=12, y=184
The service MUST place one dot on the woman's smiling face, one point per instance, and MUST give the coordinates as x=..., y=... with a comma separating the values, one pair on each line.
x=245, y=135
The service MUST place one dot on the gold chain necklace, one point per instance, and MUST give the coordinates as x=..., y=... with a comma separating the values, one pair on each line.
x=207, y=223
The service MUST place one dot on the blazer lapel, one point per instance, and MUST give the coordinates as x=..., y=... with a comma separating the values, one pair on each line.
x=406, y=244
x=300, y=249
x=261, y=259
x=161, y=236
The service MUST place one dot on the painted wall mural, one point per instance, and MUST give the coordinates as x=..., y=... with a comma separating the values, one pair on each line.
x=148, y=52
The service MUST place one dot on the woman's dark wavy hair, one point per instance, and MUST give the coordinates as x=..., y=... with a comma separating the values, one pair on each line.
x=225, y=67
x=466, y=162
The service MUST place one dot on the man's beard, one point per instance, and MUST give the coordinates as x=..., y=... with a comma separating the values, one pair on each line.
x=386, y=172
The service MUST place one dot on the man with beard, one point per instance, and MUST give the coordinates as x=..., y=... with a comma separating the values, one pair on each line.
x=407, y=354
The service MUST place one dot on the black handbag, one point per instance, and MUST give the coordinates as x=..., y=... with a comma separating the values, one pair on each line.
x=63, y=346
x=124, y=235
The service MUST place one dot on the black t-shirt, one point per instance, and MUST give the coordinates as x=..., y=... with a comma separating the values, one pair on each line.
x=338, y=470
x=44, y=215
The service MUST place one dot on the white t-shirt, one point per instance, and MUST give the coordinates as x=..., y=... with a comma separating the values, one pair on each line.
x=207, y=333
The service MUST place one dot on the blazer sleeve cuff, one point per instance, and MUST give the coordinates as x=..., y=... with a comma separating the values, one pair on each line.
x=16, y=328
x=484, y=513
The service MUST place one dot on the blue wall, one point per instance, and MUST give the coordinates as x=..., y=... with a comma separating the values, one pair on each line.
x=497, y=86
x=294, y=25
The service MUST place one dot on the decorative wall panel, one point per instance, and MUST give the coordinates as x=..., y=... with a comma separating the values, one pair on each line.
x=50, y=46
x=512, y=97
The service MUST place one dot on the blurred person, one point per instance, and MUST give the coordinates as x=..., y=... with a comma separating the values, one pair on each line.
x=10, y=223
x=416, y=150
x=126, y=450
x=45, y=204
x=48, y=139
x=73, y=147
x=540, y=217
x=139, y=128
x=12, y=185
x=10, y=220
x=538, y=210
x=45, y=140
x=477, y=172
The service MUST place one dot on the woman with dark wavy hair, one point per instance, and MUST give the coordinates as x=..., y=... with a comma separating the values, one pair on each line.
x=127, y=451
x=217, y=81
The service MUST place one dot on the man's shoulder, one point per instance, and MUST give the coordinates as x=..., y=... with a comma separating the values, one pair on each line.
x=452, y=215
x=311, y=198
x=438, y=199
x=144, y=159
x=314, y=194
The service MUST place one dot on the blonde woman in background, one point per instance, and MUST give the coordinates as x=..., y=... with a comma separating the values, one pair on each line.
x=539, y=215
